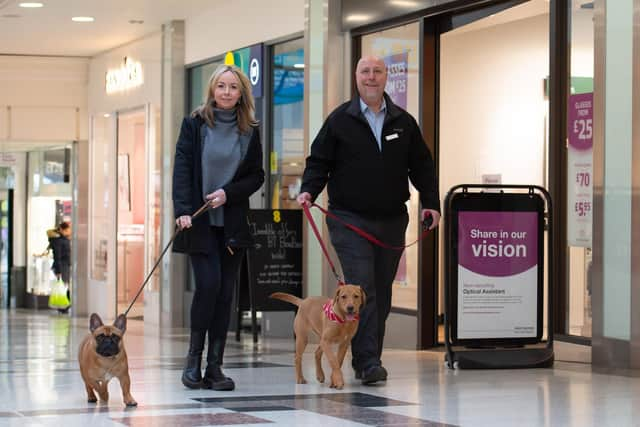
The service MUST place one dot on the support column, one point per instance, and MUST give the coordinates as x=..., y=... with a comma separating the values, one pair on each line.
x=174, y=266
x=326, y=85
x=616, y=228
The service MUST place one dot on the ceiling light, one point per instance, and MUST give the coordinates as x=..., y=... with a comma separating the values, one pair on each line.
x=31, y=5
x=298, y=65
x=404, y=3
x=83, y=19
x=357, y=18
x=106, y=115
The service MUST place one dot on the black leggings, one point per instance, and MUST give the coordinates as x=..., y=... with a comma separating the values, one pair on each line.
x=215, y=276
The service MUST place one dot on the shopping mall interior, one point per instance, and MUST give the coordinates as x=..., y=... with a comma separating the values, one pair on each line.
x=92, y=97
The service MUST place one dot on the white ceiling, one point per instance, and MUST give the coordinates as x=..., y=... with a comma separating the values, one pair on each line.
x=50, y=31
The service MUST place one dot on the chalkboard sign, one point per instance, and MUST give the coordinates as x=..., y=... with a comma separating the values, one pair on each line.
x=275, y=263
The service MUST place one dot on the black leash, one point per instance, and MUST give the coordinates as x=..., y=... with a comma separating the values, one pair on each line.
x=199, y=212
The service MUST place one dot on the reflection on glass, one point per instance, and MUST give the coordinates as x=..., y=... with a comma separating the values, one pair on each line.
x=102, y=204
x=580, y=168
x=287, y=151
x=398, y=47
x=4, y=249
x=154, y=194
x=132, y=207
x=199, y=78
x=49, y=203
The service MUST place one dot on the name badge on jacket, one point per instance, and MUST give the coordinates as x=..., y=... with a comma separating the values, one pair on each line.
x=391, y=137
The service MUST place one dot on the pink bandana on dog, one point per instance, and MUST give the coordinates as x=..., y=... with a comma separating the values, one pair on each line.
x=331, y=315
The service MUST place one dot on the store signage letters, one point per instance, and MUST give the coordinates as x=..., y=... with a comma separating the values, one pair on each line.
x=128, y=76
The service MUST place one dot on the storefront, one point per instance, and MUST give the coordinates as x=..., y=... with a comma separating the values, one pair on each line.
x=493, y=108
x=123, y=239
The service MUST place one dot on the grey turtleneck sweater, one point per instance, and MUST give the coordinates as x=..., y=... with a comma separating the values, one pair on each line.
x=223, y=148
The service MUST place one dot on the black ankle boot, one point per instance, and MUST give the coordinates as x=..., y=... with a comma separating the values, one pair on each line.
x=213, y=376
x=192, y=374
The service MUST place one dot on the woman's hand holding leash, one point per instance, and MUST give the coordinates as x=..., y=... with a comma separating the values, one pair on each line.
x=217, y=198
x=183, y=222
x=214, y=200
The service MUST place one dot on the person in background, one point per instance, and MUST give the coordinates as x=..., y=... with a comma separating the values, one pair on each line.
x=218, y=161
x=366, y=152
x=60, y=244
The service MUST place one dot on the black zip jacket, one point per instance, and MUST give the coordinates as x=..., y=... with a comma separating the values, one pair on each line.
x=187, y=191
x=360, y=177
x=61, y=247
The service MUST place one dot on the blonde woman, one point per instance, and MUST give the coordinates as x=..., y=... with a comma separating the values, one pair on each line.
x=218, y=161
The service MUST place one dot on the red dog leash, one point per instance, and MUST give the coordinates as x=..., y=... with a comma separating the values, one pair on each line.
x=305, y=208
x=357, y=230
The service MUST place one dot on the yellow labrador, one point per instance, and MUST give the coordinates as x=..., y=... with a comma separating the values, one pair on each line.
x=335, y=321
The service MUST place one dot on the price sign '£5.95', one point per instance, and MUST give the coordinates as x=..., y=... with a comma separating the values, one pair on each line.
x=580, y=169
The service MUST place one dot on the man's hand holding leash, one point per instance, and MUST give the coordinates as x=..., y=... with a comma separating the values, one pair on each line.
x=430, y=218
x=304, y=199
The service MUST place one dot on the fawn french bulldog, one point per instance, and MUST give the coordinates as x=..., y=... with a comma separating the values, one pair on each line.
x=102, y=356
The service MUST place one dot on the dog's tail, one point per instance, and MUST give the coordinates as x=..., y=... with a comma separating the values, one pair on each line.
x=286, y=297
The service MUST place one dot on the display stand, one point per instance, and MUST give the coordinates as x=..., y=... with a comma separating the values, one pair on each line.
x=494, y=277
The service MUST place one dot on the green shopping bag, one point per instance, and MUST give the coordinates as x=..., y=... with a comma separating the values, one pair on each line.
x=58, y=297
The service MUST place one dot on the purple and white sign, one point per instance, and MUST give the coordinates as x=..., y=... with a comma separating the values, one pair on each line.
x=580, y=170
x=397, y=72
x=497, y=274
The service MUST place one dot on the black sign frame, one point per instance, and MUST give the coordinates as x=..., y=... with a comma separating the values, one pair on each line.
x=274, y=263
x=495, y=202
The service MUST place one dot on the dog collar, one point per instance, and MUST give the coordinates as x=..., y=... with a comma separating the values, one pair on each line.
x=331, y=315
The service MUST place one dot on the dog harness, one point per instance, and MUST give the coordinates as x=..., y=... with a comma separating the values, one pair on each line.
x=331, y=315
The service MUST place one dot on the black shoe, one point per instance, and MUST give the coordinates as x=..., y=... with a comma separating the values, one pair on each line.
x=191, y=375
x=373, y=374
x=214, y=379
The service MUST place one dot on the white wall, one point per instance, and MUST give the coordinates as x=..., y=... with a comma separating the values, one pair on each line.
x=147, y=51
x=43, y=98
x=240, y=23
x=492, y=103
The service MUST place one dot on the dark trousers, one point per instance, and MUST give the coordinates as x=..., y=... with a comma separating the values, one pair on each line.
x=373, y=268
x=65, y=273
x=215, y=276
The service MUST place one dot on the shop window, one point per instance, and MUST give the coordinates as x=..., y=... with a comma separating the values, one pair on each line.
x=580, y=168
x=399, y=47
x=198, y=80
x=286, y=157
x=49, y=203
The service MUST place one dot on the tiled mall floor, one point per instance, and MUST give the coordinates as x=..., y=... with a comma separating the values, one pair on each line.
x=40, y=385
